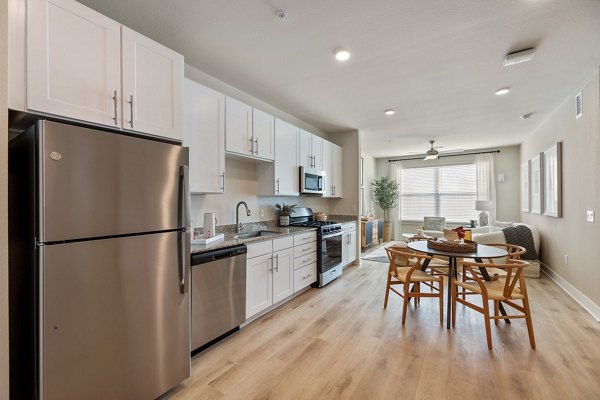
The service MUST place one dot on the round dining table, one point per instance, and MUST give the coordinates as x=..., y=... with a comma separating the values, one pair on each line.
x=483, y=252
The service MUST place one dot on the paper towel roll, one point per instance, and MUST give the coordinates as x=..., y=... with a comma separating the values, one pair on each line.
x=210, y=223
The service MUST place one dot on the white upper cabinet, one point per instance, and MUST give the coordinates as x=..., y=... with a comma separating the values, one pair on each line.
x=337, y=167
x=73, y=62
x=238, y=127
x=327, y=167
x=152, y=86
x=85, y=66
x=310, y=150
x=204, y=134
x=263, y=134
x=281, y=178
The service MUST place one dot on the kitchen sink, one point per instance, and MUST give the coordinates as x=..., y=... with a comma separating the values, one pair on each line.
x=254, y=234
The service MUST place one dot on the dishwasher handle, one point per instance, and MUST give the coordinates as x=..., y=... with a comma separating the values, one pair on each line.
x=219, y=254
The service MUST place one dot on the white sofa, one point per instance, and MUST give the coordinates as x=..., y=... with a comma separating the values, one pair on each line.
x=492, y=234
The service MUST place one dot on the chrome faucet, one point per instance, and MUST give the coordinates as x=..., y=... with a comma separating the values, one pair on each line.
x=238, y=224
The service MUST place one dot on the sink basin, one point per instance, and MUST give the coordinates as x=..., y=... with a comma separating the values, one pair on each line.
x=254, y=234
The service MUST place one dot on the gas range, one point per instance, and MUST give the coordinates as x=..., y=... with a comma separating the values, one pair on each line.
x=329, y=244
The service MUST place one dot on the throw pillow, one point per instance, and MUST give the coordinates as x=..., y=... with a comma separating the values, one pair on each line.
x=501, y=224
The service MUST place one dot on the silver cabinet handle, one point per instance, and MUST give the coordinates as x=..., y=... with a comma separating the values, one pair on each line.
x=131, y=109
x=271, y=266
x=251, y=146
x=115, y=105
x=306, y=249
x=256, y=141
x=277, y=263
x=223, y=184
x=277, y=186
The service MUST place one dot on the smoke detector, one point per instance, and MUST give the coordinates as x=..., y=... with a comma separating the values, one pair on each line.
x=281, y=15
x=518, y=57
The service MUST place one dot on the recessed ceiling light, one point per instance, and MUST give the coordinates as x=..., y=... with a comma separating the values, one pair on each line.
x=502, y=91
x=527, y=116
x=342, y=55
x=389, y=111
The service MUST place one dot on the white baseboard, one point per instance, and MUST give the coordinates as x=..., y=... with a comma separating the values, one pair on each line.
x=572, y=291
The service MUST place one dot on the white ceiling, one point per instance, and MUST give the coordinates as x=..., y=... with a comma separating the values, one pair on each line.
x=437, y=63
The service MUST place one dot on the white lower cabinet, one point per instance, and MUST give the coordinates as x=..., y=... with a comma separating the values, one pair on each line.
x=269, y=274
x=349, y=243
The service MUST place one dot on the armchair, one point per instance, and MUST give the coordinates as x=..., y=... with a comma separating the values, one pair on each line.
x=434, y=226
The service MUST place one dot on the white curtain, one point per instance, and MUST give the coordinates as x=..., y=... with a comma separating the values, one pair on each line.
x=395, y=173
x=486, y=181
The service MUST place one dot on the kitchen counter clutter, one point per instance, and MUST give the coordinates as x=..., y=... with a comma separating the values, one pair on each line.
x=273, y=232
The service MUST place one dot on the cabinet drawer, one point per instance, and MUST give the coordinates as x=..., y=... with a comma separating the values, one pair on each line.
x=304, y=276
x=305, y=249
x=350, y=227
x=283, y=243
x=259, y=248
x=301, y=238
x=305, y=260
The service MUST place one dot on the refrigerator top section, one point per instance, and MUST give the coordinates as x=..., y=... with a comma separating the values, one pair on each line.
x=95, y=184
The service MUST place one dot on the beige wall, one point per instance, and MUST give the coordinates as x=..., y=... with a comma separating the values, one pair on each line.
x=571, y=235
x=507, y=192
x=3, y=200
x=240, y=185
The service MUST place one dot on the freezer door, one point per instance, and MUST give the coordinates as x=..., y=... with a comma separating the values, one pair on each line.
x=95, y=183
x=114, y=322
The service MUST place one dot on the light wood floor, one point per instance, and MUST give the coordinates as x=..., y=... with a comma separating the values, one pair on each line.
x=339, y=343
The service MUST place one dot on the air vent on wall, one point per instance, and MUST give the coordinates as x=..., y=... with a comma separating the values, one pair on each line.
x=579, y=105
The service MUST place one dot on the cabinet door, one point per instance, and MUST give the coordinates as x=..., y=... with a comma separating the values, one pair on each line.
x=345, y=245
x=259, y=284
x=351, y=249
x=304, y=153
x=369, y=232
x=327, y=167
x=263, y=132
x=337, y=169
x=204, y=134
x=283, y=274
x=286, y=159
x=316, y=148
x=73, y=62
x=152, y=86
x=238, y=127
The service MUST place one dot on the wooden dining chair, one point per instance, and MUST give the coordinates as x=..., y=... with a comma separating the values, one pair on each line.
x=412, y=275
x=514, y=253
x=507, y=290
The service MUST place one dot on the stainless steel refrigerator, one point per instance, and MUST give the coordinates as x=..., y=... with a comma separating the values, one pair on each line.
x=99, y=264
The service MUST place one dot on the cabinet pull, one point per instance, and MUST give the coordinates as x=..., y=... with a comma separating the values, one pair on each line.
x=223, y=185
x=131, y=109
x=256, y=141
x=306, y=249
x=271, y=266
x=277, y=187
x=115, y=106
x=276, y=262
x=251, y=146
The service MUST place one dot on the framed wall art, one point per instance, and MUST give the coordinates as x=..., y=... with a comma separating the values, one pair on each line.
x=535, y=184
x=525, y=205
x=552, y=178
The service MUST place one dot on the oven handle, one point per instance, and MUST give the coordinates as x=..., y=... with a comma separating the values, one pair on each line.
x=340, y=233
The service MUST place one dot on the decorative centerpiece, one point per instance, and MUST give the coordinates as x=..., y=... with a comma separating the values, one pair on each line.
x=453, y=246
x=284, y=211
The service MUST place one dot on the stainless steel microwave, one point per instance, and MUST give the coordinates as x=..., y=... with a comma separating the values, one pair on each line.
x=312, y=181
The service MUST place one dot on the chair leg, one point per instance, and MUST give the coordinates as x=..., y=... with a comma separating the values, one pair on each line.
x=417, y=292
x=488, y=328
x=496, y=311
x=463, y=278
x=529, y=322
x=405, y=306
x=387, y=291
x=441, y=293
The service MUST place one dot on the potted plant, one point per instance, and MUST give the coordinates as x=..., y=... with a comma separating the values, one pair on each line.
x=385, y=191
x=284, y=211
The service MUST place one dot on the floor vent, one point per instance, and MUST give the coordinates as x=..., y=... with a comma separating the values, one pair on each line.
x=579, y=105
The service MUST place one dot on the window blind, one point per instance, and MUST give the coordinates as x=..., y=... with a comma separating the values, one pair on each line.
x=443, y=191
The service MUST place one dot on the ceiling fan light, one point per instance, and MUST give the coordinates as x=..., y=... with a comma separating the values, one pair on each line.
x=431, y=157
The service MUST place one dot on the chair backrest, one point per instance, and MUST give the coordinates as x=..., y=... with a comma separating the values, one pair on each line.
x=398, y=251
x=434, y=223
x=514, y=274
x=514, y=252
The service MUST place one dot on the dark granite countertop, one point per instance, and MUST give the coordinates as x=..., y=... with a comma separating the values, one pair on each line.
x=229, y=240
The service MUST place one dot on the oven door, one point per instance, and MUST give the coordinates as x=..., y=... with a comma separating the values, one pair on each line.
x=312, y=181
x=331, y=251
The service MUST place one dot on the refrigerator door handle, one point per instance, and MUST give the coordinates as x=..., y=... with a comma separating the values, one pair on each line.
x=185, y=235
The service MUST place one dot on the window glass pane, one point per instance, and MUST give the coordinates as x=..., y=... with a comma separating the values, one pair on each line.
x=443, y=191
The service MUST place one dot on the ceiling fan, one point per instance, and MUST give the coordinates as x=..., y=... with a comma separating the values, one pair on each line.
x=433, y=152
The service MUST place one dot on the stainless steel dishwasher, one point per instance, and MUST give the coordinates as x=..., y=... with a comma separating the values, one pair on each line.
x=218, y=294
